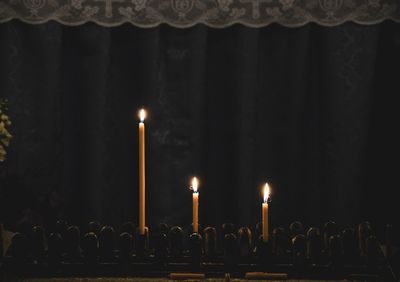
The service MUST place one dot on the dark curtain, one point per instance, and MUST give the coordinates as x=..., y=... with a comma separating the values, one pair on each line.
x=311, y=110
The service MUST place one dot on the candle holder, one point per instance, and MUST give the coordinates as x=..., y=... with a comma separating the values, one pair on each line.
x=305, y=260
x=72, y=244
x=279, y=243
x=192, y=229
x=161, y=248
x=129, y=228
x=94, y=227
x=330, y=229
x=373, y=252
x=142, y=243
x=230, y=252
x=227, y=228
x=106, y=244
x=195, y=249
x=90, y=246
x=55, y=243
x=263, y=251
x=364, y=231
x=61, y=227
x=299, y=251
x=125, y=246
x=163, y=228
x=296, y=228
x=335, y=251
x=258, y=230
x=314, y=245
x=389, y=241
x=210, y=242
x=175, y=238
x=18, y=249
x=349, y=246
x=245, y=242
x=38, y=243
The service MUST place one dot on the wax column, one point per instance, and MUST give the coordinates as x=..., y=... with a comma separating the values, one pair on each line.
x=265, y=233
x=142, y=174
x=195, y=185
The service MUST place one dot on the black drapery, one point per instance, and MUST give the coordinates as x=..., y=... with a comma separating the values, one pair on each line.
x=310, y=109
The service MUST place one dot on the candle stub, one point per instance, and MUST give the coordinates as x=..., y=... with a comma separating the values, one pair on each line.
x=184, y=276
x=266, y=275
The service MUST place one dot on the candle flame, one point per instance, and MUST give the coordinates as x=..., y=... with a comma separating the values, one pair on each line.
x=142, y=115
x=195, y=184
x=266, y=192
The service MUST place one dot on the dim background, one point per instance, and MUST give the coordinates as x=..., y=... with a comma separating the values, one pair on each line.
x=311, y=110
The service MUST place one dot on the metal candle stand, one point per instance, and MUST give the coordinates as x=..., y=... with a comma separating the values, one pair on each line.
x=102, y=252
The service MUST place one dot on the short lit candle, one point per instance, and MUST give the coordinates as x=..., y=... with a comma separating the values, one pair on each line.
x=265, y=234
x=142, y=173
x=195, y=185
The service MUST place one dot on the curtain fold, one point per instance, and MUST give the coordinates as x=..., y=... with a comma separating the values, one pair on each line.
x=311, y=109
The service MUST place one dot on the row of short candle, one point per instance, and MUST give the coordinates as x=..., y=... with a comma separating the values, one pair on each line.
x=194, y=187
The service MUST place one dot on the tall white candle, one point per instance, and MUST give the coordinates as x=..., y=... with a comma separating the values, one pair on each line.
x=142, y=174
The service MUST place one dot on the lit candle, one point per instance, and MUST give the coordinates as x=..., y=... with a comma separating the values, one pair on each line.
x=142, y=174
x=195, y=185
x=265, y=234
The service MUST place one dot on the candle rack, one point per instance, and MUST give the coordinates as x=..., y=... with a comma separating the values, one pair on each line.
x=142, y=244
x=327, y=253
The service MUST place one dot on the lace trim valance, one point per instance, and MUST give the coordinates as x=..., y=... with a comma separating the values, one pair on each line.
x=214, y=13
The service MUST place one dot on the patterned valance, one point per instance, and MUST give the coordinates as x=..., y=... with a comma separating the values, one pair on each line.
x=214, y=13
